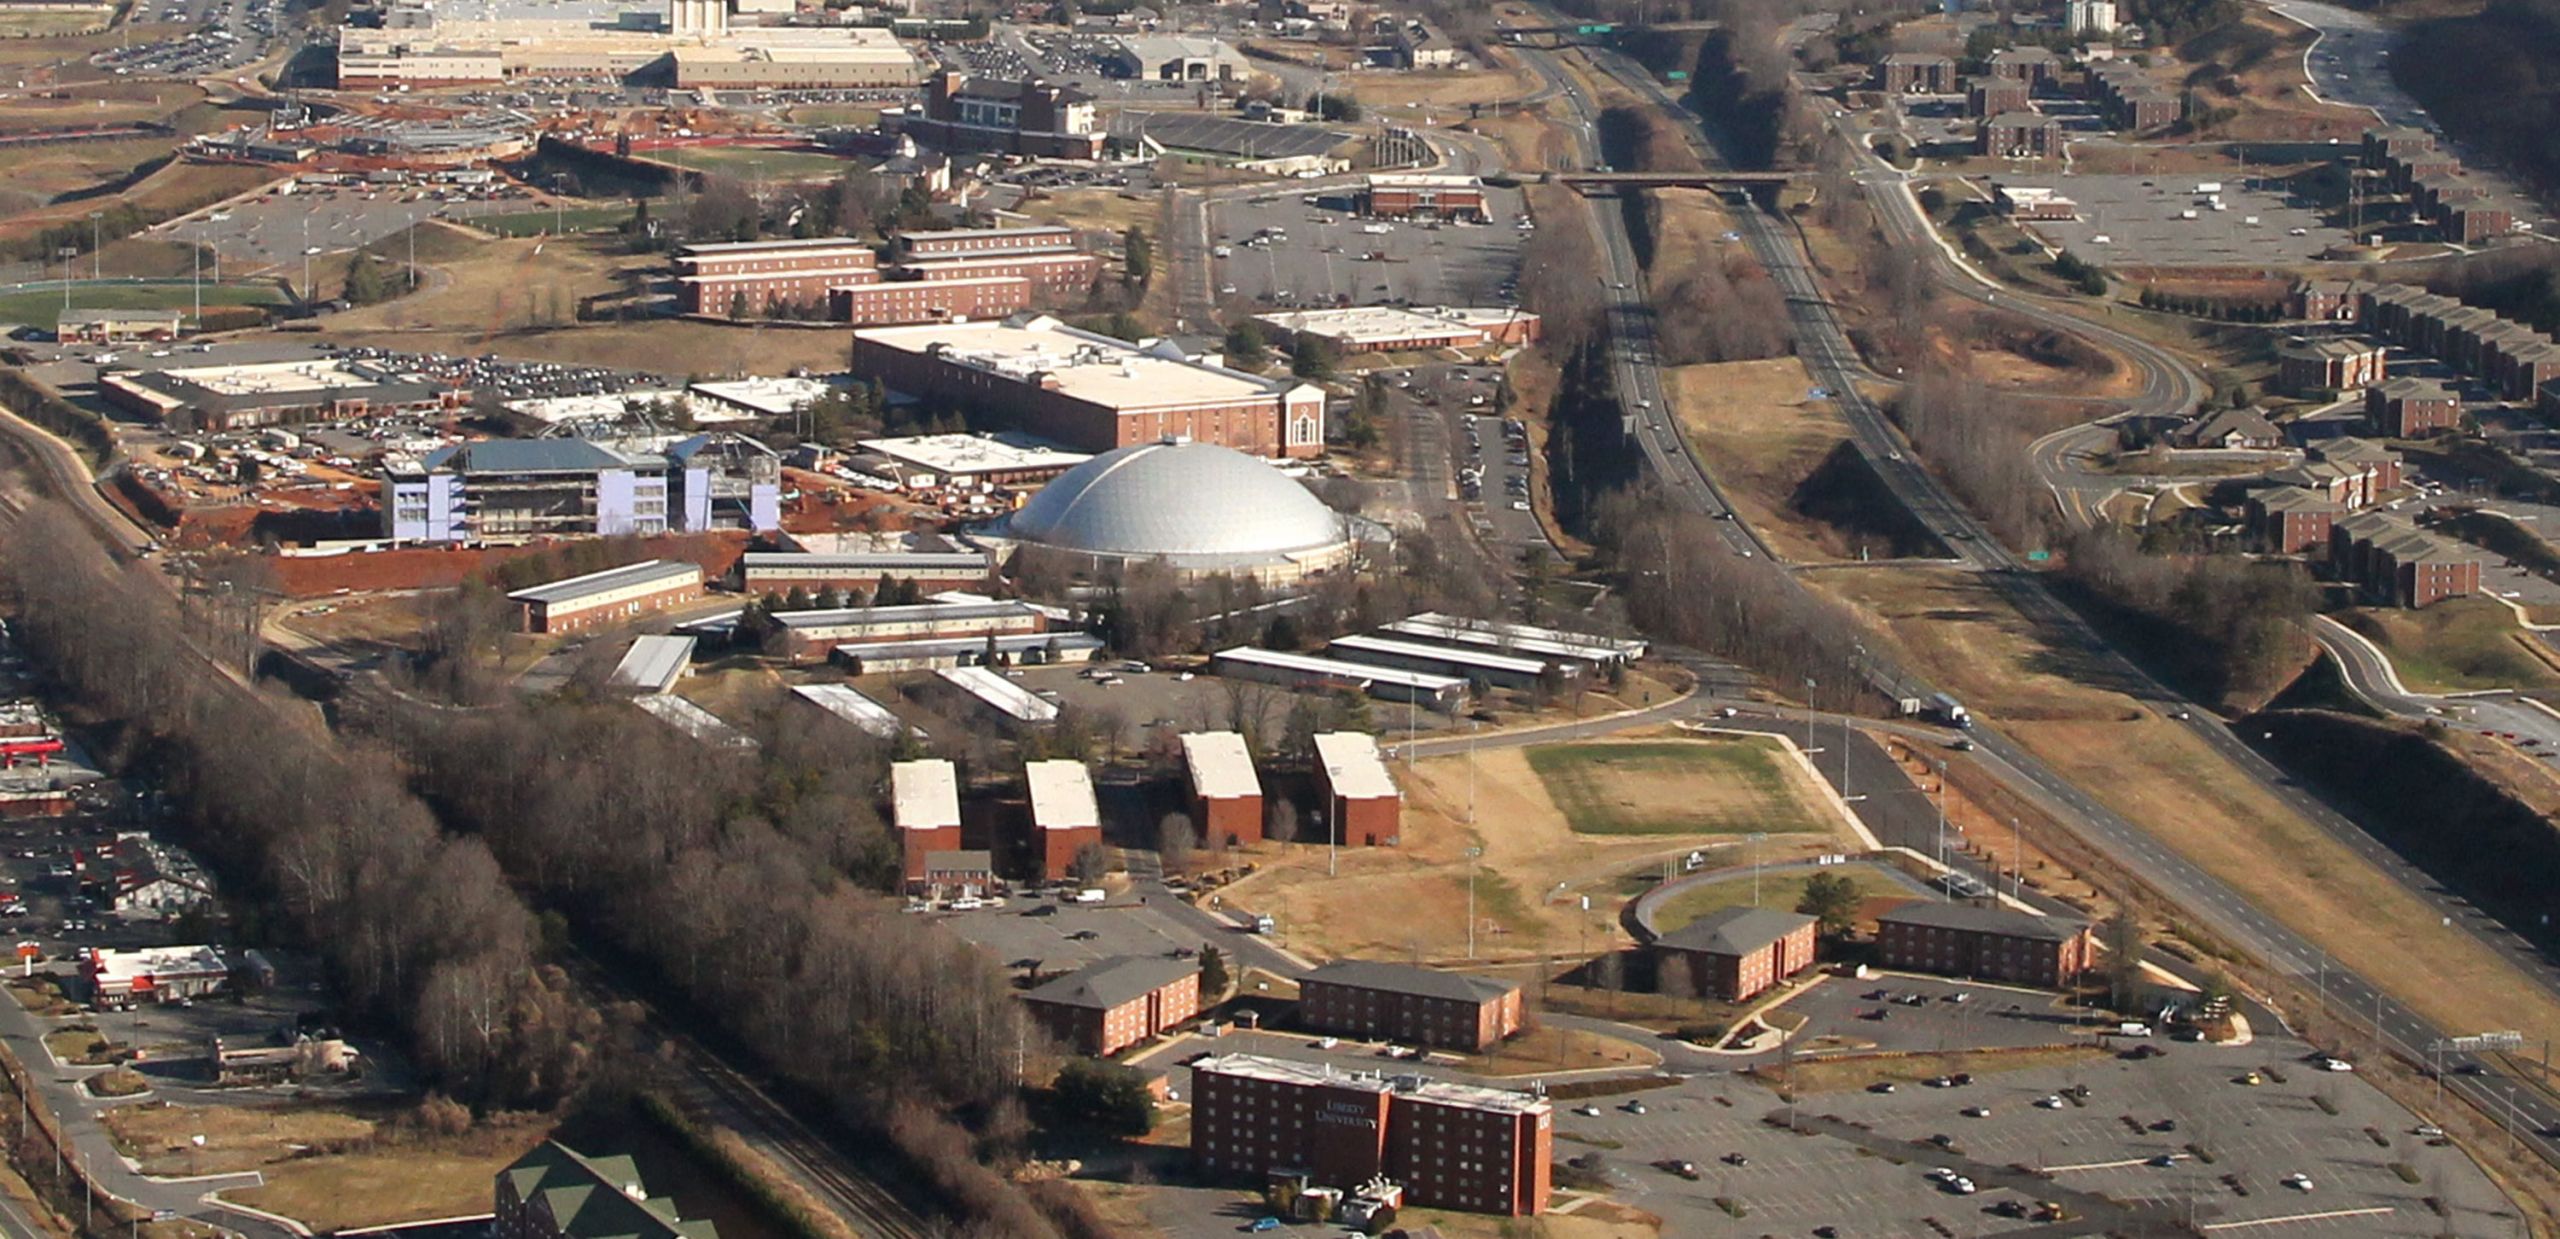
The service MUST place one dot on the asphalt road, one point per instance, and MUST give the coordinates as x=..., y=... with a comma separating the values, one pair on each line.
x=2169, y=386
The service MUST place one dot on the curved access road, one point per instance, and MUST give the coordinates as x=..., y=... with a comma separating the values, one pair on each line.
x=2371, y=677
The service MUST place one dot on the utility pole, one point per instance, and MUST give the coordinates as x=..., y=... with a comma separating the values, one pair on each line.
x=1472, y=854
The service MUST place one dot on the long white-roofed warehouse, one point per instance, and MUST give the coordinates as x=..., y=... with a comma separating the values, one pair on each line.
x=1064, y=814
x=806, y=636
x=1465, y=662
x=653, y=664
x=610, y=596
x=1527, y=640
x=1226, y=792
x=846, y=704
x=1313, y=673
x=999, y=694
x=768, y=572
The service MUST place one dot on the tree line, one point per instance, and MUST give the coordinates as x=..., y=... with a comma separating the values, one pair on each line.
x=319, y=842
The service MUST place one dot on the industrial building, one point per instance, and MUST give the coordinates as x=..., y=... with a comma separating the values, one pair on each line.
x=556, y=1192
x=931, y=462
x=1196, y=509
x=1038, y=649
x=1739, y=953
x=1035, y=120
x=1065, y=818
x=1451, y=1146
x=774, y=572
x=1409, y=1003
x=514, y=489
x=1312, y=673
x=1527, y=640
x=1390, y=329
x=1414, y=195
x=1469, y=663
x=1226, y=792
x=1111, y=1004
x=692, y=47
x=1984, y=944
x=653, y=664
x=153, y=974
x=808, y=636
x=924, y=807
x=615, y=595
x=999, y=694
x=848, y=705
x=1363, y=808
x=233, y=397
x=1092, y=391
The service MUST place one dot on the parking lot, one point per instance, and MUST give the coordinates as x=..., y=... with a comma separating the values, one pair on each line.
x=1063, y=936
x=1928, y=1016
x=1325, y=256
x=220, y=35
x=277, y=229
x=2142, y=219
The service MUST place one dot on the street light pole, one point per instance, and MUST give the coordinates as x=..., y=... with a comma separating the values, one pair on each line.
x=1753, y=841
x=1472, y=854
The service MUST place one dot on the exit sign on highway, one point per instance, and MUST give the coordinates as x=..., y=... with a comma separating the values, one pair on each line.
x=1676, y=75
x=2037, y=557
x=1595, y=28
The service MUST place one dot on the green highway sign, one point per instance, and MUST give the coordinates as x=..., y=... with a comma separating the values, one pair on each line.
x=1596, y=28
x=2037, y=557
x=1676, y=75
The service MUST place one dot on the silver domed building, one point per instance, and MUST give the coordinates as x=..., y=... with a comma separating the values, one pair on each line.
x=1198, y=508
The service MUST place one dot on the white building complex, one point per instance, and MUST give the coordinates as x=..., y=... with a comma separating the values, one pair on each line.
x=688, y=44
x=1193, y=508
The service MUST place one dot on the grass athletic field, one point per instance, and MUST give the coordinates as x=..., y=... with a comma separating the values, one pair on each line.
x=1723, y=785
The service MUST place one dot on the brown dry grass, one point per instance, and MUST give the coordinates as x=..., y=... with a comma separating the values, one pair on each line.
x=100, y=103
x=1975, y=644
x=1388, y=93
x=1761, y=437
x=173, y=189
x=2159, y=775
x=2273, y=103
x=1600, y=1220
x=1411, y=900
x=399, y=1185
x=1840, y=1075
x=1107, y=210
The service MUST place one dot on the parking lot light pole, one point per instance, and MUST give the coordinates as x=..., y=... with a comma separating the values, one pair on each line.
x=1472, y=854
x=1753, y=840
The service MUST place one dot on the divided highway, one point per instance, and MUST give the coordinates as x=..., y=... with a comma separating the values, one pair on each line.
x=2169, y=386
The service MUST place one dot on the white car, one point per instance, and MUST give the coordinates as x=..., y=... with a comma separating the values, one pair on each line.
x=2336, y=1064
x=2298, y=1182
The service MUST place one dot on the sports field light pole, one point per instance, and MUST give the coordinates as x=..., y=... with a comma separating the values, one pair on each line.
x=1472, y=854
x=1753, y=841
x=1809, y=686
x=97, y=259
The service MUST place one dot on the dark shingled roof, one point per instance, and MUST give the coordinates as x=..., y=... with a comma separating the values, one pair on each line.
x=1734, y=931
x=1967, y=917
x=1111, y=982
x=594, y=1197
x=1410, y=979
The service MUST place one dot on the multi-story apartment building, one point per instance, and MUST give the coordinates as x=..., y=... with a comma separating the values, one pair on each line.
x=1405, y=1002
x=1452, y=1146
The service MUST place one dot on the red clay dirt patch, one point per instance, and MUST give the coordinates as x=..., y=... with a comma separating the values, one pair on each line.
x=317, y=576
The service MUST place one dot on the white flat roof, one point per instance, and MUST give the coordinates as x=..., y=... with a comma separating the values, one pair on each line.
x=269, y=377
x=579, y=408
x=114, y=967
x=1443, y=1092
x=1453, y=655
x=1370, y=324
x=1084, y=365
x=847, y=703
x=1352, y=766
x=718, y=249
x=924, y=795
x=1365, y=673
x=770, y=396
x=693, y=720
x=1221, y=766
x=985, y=234
x=1424, y=180
x=1009, y=698
x=1062, y=795
x=1529, y=637
x=646, y=572
x=965, y=455
x=653, y=663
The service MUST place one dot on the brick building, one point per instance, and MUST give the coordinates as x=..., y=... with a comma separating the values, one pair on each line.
x=1362, y=805
x=2409, y=408
x=753, y=279
x=613, y=596
x=556, y=1192
x=814, y=636
x=2374, y=469
x=1031, y=119
x=924, y=808
x=2396, y=563
x=898, y=302
x=2020, y=135
x=2229, y=429
x=1452, y=1146
x=1423, y=196
x=1916, y=73
x=1093, y=392
x=116, y=326
x=2035, y=66
x=984, y=242
x=1989, y=944
x=1064, y=816
x=1991, y=96
x=2307, y=367
x=1408, y=1003
x=2470, y=225
x=2291, y=520
x=1111, y=1004
x=2333, y=301
x=1226, y=793
x=1738, y=953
